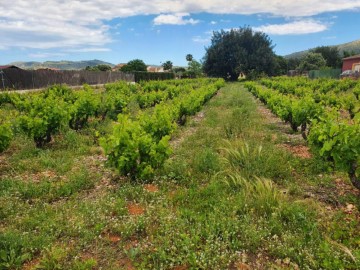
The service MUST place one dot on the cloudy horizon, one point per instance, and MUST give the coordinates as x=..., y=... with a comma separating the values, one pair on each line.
x=156, y=31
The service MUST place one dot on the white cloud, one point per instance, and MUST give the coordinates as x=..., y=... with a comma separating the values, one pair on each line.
x=213, y=22
x=44, y=24
x=176, y=19
x=293, y=28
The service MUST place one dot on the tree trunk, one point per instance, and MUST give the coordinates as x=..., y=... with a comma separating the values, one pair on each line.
x=294, y=127
x=353, y=178
x=303, y=131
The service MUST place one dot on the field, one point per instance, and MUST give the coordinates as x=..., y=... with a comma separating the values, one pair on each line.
x=184, y=174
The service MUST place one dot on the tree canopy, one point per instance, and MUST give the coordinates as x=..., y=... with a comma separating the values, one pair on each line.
x=101, y=67
x=331, y=55
x=239, y=50
x=312, y=61
x=134, y=65
x=194, y=69
x=168, y=65
x=189, y=57
x=280, y=66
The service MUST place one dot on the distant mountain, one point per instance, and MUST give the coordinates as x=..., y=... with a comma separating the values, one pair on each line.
x=353, y=46
x=63, y=65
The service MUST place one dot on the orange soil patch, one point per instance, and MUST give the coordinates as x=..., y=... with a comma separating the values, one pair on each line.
x=301, y=151
x=151, y=188
x=342, y=187
x=135, y=209
x=113, y=238
x=126, y=264
x=241, y=266
x=180, y=267
x=131, y=244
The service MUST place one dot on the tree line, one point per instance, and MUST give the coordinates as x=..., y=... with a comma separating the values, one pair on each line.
x=246, y=52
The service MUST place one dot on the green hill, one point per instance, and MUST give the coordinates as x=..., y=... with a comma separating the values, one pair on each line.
x=353, y=46
x=63, y=65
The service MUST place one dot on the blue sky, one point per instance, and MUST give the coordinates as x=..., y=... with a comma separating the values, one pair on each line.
x=155, y=31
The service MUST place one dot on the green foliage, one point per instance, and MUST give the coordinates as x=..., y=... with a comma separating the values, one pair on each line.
x=149, y=99
x=115, y=99
x=6, y=136
x=133, y=151
x=168, y=65
x=52, y=259
x=61, y=92
x=338, y=140
x=14, y=99
x=280, y=65
x=134, y=65
x=194, y=69
x=312, y=61
x=138, y=147
x=87, y=104
x=160, y=123
x=12, y=259
x=331, y=55
x=238, y=50
x=55, y=216
x=262, y=196
x=293, y=63
x=149, y=76
x=332, y=133
x=43, y=118
x=99, y=68
x=350, y=103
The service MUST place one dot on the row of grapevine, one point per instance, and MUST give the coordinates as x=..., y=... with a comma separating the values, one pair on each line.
x=139, y=146
x=41, y=115
x=335, y=137
x=343, y=94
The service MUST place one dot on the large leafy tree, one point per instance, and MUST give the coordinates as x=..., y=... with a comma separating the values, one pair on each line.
x=331, y=55
x=239, y=50
x=280, y=65
x=189, y=57
x=168, y=65
x=194, y=69
x=312, y=61
x=134, y=65
x=293, y=63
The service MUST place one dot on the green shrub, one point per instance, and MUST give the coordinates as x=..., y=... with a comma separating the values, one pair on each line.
x=149, y=76
x=133, y=151
x=6, y=136
x=44, y=117
x=87, y=104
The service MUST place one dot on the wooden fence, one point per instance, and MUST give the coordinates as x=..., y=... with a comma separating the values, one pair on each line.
x=13, y=78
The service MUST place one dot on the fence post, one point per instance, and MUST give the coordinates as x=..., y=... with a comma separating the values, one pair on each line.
x=2, y=79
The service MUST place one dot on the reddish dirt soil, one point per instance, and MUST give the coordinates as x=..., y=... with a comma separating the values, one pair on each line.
x=135, y=209
x=126, y=264
x=113, y=238
x=180, y=267
x=343, y=187
x=133, y=243
x=301, y=151
x=151, y=188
